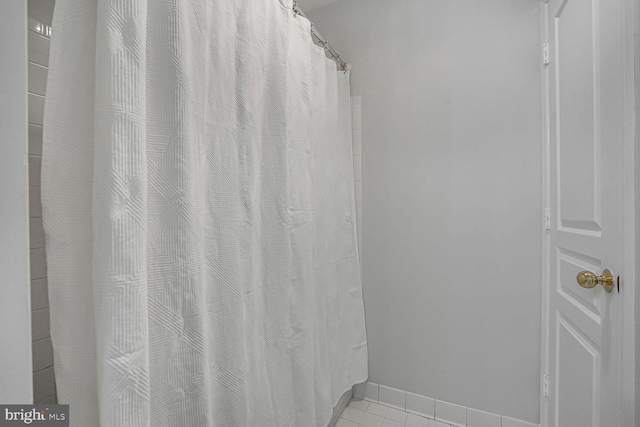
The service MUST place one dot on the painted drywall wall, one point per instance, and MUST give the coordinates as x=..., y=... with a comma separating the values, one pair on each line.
x=308, y=5
x=452, y=217
x=15, y=310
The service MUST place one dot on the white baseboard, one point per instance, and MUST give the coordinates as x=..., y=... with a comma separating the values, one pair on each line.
x=339, y=408
x=447, y=412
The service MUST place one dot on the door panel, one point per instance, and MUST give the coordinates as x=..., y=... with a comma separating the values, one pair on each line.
x=576, y=117
x=578, y=357
x=585, y=182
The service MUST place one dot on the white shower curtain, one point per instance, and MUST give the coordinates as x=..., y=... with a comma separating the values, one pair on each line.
x=198, y=205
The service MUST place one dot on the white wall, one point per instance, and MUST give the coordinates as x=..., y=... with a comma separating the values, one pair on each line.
x=15, y=311
x=308, y=5
x=451, y=143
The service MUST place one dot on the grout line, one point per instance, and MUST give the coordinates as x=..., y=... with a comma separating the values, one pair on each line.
x=48, y=397
x=43, y=369
x=39, y=65
x=39, y=34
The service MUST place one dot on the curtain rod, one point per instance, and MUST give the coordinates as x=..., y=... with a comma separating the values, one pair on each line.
x=321, y=41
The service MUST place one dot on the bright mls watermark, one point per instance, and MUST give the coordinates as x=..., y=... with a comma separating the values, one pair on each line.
x=35, y=415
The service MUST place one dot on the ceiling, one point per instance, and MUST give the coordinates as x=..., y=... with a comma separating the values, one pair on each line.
x=308, y=5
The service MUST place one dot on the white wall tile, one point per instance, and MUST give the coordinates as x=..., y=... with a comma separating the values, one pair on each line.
x=357, y=99
x=371, y=392
x=477, y=418
x=367, y=391
x=36, y=233
x=451, y=413
x=359, y=390
x=41, y=10
x=37, y=78
x=38, y=264
x=40, y=326
x=421, y=405
x=392, y=397
x=512, y=422
x=35, y=205
x=35, y=140
x=51, y=400
x=36, y=109
x=420, y=409
x=35, y=170
x=39, y=294
x=44, y=384
x=42, y=354
x=38, y=49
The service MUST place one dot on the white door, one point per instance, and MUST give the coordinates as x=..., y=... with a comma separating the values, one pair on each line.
x=586, y=106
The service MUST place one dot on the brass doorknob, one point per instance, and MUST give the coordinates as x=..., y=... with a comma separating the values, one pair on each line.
x=588, y=280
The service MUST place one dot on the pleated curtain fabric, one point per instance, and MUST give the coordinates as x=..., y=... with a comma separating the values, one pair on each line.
x=198, y=204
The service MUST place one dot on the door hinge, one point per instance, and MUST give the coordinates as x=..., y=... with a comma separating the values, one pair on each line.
x=545, y=385
x=547, y=218
x=545, y=53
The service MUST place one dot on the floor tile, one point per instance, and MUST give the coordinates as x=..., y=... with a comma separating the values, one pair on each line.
x=370, y=420
x=416, y=421
x=345, y=423
x=434, y=423
x=377, y=409
x=390, y=423
x=352, y=414
x=359, y=404
x=397, y=415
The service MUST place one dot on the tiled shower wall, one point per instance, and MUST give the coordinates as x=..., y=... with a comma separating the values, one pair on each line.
x=44, y=388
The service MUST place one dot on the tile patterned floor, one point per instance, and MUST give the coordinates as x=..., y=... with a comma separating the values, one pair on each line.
x=361, y=413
